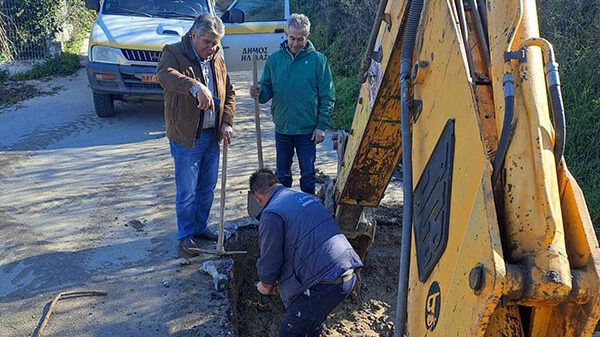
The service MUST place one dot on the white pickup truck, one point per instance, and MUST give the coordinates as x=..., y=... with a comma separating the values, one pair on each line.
x=128, y=36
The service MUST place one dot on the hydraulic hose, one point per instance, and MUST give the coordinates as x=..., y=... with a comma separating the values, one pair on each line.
x=553, y=83
x=558, y=109
x=408, y=46
x=507, y=126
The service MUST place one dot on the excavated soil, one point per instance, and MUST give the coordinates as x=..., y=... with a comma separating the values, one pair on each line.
x=371, y=314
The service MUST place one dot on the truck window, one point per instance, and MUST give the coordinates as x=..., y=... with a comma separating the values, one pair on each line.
x=262, y=10
x=184, y=9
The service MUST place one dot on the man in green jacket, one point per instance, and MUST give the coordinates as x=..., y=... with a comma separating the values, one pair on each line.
x=298, y=80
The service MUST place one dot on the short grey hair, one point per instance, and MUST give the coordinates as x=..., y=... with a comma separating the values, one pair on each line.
x=300, y=22
x=208, y=24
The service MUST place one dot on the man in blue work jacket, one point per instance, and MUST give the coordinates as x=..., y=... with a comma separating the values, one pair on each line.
x=303, y=255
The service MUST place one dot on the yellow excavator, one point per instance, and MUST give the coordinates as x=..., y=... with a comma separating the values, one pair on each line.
x=496, y=236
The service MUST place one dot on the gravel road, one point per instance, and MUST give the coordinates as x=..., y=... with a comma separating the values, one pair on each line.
x=88, y=203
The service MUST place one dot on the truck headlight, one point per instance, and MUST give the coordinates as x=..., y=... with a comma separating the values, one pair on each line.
x=107, y=55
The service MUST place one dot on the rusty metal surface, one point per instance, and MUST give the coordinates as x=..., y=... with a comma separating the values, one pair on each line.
x=373, y=148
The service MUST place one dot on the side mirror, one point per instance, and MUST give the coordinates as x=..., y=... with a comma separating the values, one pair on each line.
x=93, y=4
x=233, y=16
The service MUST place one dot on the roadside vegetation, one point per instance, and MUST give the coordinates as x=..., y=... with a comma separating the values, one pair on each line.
x=67, y=62
x=573, y=26
x=341, y=28
x=12, y=88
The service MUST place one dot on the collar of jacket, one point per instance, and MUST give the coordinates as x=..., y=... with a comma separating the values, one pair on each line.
x=275, y=191
x=309, y=48
x=188, y=49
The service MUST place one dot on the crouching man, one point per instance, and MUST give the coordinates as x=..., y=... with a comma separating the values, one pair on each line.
x=303, y=255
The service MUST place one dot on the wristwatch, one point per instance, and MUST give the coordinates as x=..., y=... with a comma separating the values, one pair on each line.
x=194, y=89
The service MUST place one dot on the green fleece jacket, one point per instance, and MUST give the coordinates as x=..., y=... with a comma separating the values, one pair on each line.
x=301, y=88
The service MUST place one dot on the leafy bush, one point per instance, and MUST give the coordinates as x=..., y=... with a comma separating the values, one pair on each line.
x=62, y=64
x=32, y=21
x=68, y=62
x=346, y=92
x=5, y=45
x=26, y=26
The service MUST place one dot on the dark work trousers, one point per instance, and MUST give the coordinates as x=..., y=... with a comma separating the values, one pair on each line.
x=306, y=314
x=306, y=151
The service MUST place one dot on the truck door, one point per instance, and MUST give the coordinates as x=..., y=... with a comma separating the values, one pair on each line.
x=260, y=33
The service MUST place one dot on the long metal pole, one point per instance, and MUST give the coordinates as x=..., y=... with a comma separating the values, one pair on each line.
x=220, y=246
x=366, y=61
x=257, y=115
x=220, y=241
x=483, y=42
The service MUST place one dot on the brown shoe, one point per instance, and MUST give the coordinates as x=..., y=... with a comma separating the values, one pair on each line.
x=189, y=246
x=207, y=235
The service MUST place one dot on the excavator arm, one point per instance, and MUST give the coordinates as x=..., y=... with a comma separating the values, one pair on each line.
x=497, y=239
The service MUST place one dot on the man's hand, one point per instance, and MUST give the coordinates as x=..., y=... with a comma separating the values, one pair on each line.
x=205, y=98
x=267, y=289
x=317, y=136
x=226, y=133
x=254, y=91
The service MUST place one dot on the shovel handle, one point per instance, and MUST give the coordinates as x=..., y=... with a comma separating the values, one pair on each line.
x=257, y=114
x=220, y=246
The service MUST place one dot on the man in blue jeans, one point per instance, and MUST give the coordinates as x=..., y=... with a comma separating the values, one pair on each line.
x=303, y=255
x=199, y=108
x=297, y=79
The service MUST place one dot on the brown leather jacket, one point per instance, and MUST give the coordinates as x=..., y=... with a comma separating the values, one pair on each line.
x=178, y=70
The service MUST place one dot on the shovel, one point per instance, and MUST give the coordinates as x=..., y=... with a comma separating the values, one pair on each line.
x=253, y=206
x=220, y=248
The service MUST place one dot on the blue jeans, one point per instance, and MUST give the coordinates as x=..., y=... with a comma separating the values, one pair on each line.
x=196, y=172
x=306, y=151
x=306, y=314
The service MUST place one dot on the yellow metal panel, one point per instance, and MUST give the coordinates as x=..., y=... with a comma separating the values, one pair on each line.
x=474, y=239
x=573, y=319
x=248, y=28
x=472, y=243
x=532, y=216
x=505, y=322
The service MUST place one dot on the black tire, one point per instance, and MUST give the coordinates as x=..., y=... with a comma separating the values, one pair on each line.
x=104, y=105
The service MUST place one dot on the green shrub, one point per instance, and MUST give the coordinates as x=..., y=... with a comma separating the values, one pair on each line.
x=33, y=20
x=63, y=64
x=346, y=90
x=66, y=63
x=574, y=29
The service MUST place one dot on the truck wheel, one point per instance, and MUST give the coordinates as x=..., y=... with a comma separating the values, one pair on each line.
x=104, y=105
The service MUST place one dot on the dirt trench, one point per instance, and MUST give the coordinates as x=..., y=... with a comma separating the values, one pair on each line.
x=372, y=314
